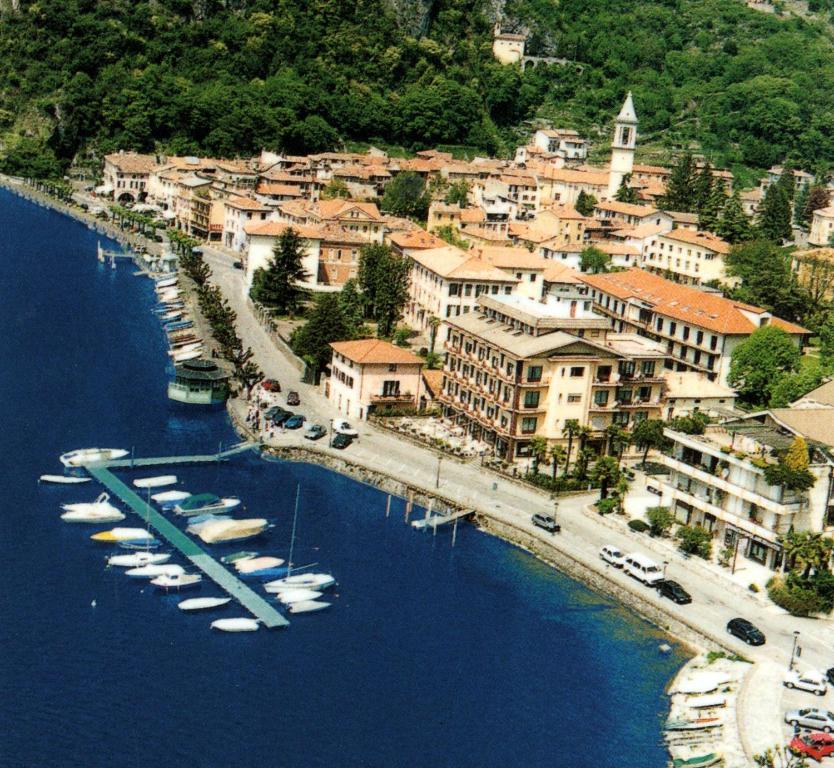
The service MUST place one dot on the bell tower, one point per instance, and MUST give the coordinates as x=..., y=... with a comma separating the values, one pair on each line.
x=622, y=148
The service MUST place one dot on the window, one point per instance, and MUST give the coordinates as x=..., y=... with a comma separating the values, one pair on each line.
x=531, y=399
x=644, y=393
x=640, y=416
x=577, y=372
x=673, y=327
x=624, y=396
x=659, y=325
x=467, y=290
x=647, y=367
x=392, y=368
x=627, y=368
x=534, y=373
x=528, y=425
x=685, y=332
x=454, y=289
x=713, y=342
x=620, y=418
x=601, y=397
x=699, y=337
x=574, y=398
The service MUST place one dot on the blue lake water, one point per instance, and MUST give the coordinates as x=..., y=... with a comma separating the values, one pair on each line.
x=430, y=656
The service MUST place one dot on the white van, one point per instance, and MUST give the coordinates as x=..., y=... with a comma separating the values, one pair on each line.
x=642, y=568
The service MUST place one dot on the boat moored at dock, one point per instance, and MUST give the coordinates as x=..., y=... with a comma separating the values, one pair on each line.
x=122, y=534
x=203, y=603
x=168, y=499
x=232, y=530
x=82, y=456
x=154, y=570
x=236, y=625
x=177, y=581
x=63, y=479
x=138, y=559
x=160, y=481
x=200, y=503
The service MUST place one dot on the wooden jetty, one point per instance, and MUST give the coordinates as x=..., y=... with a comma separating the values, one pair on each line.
x=262, y=610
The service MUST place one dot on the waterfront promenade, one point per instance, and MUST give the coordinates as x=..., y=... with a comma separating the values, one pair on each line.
x=509, y=505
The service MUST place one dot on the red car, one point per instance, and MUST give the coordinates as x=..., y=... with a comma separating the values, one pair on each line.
x=271, y=385
x=816, y=745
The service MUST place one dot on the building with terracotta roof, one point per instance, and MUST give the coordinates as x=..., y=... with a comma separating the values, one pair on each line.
x=563, y=185
x=700, y=330
x=364, y=182
x=371, y=373
x=516, y=369
x=263, y=236
x=687, y=256
x=126, y=175
x=569, y=254
x=508, y=47
x=413, y=240
x=562, y=142
x=446, y=282
x=358, y=218
x=240, y=211
x=628, y=214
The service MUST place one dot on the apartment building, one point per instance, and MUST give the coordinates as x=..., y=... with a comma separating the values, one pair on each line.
x=717, y=481
x=126, y=175
x=517, y=368
x=699, y=330
x=688, y=256
x=563, y=142
x=630, y=215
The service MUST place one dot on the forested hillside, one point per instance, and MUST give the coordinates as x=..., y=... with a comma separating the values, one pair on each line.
x=232, y=76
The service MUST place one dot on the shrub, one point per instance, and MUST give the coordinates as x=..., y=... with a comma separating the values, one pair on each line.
x=638, y=526
x=606, y=506
x=795, y=599
x=695, y=540
x=754, y=588
x=725, y=556
x=660, y=520
x=726, y=449
x=559, y=484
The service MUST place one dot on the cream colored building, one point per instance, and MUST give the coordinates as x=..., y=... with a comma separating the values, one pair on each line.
x=822, y=227
x=691, y=258
x=240, y=212
x=262, y=237
x=126, y=175
x=508, y=48
x=370, y=373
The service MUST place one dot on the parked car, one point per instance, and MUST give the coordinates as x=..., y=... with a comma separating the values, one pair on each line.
x=674, y=591
x=276, y=410
x=271, y=385
x=642, y=568
x=295, y=422
x=815, y=719
x=810, y=680
x=341, y=427
x=816, y=745
x=546, y=522
x=282, y=418
x=612, y=555
x=293, y=398
x=237, y=264
x=830, y=675
x=341, y=441
x=745, y=630
x=315, y=432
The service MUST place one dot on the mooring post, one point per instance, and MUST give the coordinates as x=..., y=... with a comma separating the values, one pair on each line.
x=409, y=504
x=454, y=531
x=388, y=506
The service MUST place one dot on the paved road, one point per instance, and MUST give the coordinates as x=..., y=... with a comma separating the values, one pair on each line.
x=716, y=598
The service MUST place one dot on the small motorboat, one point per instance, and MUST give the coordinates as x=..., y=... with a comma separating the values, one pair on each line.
x=205, y=502
x=205, y=518
x=82, y=456
x=155, y=482
x=702, y=682
x=154, y=570
x=707, y=702
x=692, y=757
x=138, y=559
x=166, y=282
x=122, y=534
x=693, y=723
x=93, y=515
x=135, y=544
x=184, y=357
x=170, y=498
x=264, y=574
x=173, y=314
x=317, y=581
x=203, y=603
x=235, y=556
x=249, y=564
x=189, y=347
x=102, y=501
x=236, y=625
x=219, y=531
x=307, y=606
x=290, y=596
x=177, y=581
x=63, y=479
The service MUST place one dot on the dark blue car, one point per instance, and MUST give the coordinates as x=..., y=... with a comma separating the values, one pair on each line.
x=294, y=422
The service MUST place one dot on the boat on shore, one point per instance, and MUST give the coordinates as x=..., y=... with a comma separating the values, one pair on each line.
x=138, y=559
x=122, y=534
x=203, y=603
x=82, y=456
x=177, y=581
x=694, y=757
x=236, y=625
x=154, y=570
x=307, y=606
x=693, y=723
x=191, y=354
x=232, y=530
x=64, y=479
x=159, y=481
x=200, y=503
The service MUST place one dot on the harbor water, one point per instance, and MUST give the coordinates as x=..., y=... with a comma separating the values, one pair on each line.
x=477, y=655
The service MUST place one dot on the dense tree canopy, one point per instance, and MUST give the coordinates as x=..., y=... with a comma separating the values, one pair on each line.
x=759, y=363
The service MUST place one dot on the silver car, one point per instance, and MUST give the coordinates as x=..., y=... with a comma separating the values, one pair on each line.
x=815, y=719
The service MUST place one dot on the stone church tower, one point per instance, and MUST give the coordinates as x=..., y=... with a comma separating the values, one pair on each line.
x=622, y=148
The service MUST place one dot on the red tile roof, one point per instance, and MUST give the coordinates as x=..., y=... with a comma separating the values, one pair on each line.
x=375, y=351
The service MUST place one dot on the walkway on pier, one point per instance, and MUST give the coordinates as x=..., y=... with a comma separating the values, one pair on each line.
x=157, y=461
x=250, y=600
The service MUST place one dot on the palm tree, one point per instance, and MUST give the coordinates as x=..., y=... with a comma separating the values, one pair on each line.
x=583, y=458
x=538, y=450
x=582, y=434
x=606, y=473
x=434, y=324
x=557, y=456
x=569, y=430
x=620, y=492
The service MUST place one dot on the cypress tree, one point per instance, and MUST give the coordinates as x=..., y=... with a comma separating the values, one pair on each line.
x=787, y=184
x=680, y=189
x=734, y=226
x=774, y=216
x=799, y=204
x=709, y=215
x=626, y=194
x=703, y=187
x=277, y=285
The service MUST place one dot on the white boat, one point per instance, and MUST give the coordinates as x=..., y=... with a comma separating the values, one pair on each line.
x=232, y=530
x=706, y=702
x=290, y=596
x=111, y=515
x=203, y=603
x=200, y=503
x=172, y=314
x=308, y=606
x=203, y=520
x=247, y=565
x=317, y=581
x=102, y=501
x=190, y=347
x=166, y=282
x=183, y=357
x=155, y=482
x=236, y=625
x=82, y=456
x=137, y=559
x=169, y=498
x=122, y=534
x=155, y=569
x=702, y=682
x=177, y=581
x=63, y=479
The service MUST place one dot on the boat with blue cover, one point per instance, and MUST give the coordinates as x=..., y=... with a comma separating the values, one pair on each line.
x=205, y=502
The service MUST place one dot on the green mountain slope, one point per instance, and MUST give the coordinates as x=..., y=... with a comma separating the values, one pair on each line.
x=232, y=76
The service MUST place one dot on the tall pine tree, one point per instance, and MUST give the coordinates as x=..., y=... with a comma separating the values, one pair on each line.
x=277, y=286
x=626, y=194
x=680, y=189
x=734, y=226
x=709, y=214
x=799, y=203
x=703, y=187
x=787, y=183
x=774, y=215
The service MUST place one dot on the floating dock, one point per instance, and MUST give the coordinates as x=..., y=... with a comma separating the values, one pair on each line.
x=253, y=602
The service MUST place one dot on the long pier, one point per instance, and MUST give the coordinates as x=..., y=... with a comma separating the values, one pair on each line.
x=158, y=461
x=253, y=602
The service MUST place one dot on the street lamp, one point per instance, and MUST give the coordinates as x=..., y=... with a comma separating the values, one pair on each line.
x=665, y=565
x=793, y=650
x=437, y=479
x=330, y=435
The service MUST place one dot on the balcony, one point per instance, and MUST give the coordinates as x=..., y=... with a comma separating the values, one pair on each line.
x=398, y=398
